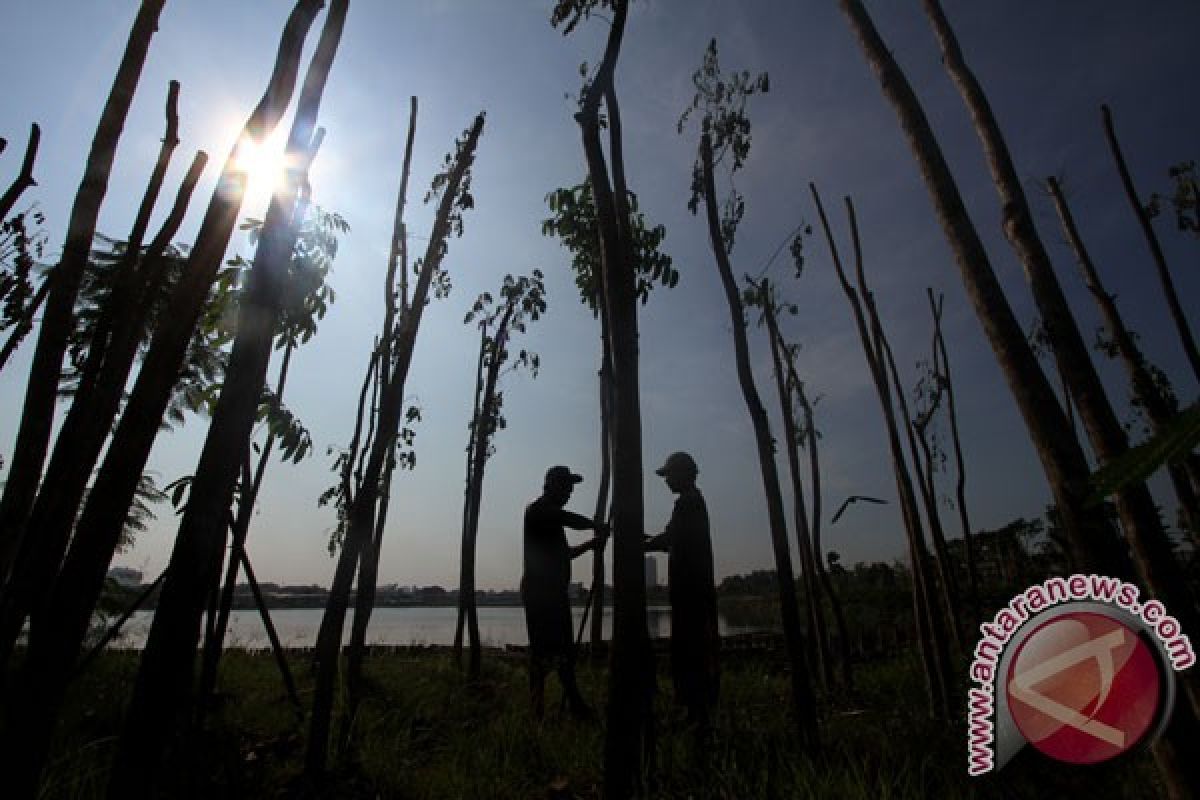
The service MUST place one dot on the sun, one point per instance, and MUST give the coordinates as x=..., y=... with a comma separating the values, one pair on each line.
x=264, y=163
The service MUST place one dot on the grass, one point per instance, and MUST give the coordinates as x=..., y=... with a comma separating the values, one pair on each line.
x=421, y=733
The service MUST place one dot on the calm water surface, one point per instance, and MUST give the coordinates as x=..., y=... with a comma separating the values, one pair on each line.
x=297, y=627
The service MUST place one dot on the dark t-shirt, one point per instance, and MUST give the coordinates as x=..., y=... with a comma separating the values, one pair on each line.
x=547, y=556
x=547, y=576
x=689, y=547
x=695, y=643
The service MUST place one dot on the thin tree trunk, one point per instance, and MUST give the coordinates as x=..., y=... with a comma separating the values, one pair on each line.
x=251, y=484
x=1092, y=542
x=381, y=368
x=484, y=426
x=839, y=617
x=364, y=601
x=209, y=627
x=130, y=275
x=602, y=493
x=272, y=635
x=1160, y=261
x=924, y=474
x=929, y=619
x=923, y=608
x=619, y=294
x=398, y=257
x=941, y=362
x=37, y=415
x=941, y=557
x=926, y=469
x=115, y=630
x=468, y=494
x=381, y=377
x=24, y=179
x=362, y=512
x=803, y=701
x=364, y=605
x=348, y=486
x=368, y=558
x=89, y=421
x=1159, y=404
x=816, y=619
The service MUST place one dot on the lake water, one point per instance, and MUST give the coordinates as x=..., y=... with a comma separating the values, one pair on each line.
x=297, y=627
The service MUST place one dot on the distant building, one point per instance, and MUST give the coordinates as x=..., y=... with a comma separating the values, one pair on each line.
x=432, y=594
x=126, y=576
x=651, y=571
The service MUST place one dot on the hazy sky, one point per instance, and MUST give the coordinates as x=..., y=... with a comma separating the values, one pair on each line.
x=1046, y=68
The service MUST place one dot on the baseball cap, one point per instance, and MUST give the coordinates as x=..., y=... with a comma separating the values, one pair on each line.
x=678, y=463
x=559, y=475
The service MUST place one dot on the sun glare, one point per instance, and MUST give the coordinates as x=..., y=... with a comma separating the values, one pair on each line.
x=264, y=164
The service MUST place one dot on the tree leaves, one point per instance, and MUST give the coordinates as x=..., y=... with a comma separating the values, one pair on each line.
x=720, y=102
x=1184, y=200
x=569, y=13
x=522, y=299
x=291, y=436
x=22, y=245
x=573, y=221
x=463, y=200
x=140, y=514
x=405, y=452
x=307, y=296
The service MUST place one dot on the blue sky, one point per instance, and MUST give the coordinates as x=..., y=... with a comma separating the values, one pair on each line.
x=1046, y=67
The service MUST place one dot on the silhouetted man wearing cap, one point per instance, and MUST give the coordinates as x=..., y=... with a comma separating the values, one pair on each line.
x=545, y=584
x=695, y=666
